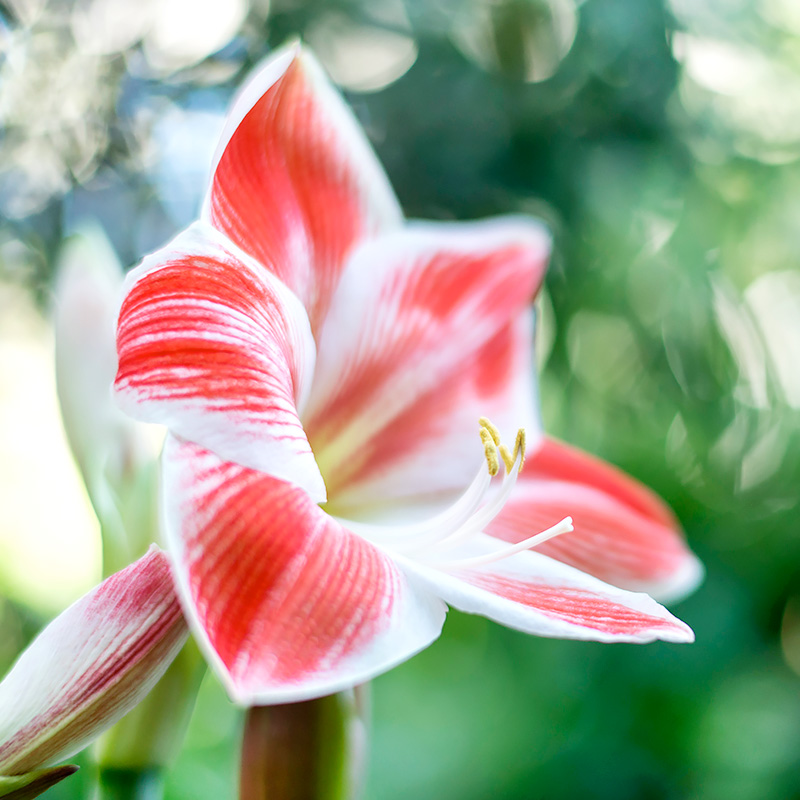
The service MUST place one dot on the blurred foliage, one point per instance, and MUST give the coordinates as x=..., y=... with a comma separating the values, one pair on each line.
x=661, y=142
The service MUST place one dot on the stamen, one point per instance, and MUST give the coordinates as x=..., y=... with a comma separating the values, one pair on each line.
x=486, y=423
x=490, y=451
x=565, y=526
x=466, y=517
x=476, y=523
x=508, y=459
x=519, y=447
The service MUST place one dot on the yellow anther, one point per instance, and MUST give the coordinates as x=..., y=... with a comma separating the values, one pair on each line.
x=508, y=459
x=494, y=450
x=490, y=451
x=487, y=425
x=519, y=448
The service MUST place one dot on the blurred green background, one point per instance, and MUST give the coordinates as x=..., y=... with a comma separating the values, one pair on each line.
x=660, y=140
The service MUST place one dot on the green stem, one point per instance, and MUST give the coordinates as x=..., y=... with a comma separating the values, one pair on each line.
x=315, y=750
x=129, y=784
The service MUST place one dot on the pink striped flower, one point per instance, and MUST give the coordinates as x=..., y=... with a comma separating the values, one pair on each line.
x=322, y=366
x=90, y=666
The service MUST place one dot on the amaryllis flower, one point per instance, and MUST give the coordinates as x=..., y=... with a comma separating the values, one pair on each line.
x=343, y=391
x=90, y=666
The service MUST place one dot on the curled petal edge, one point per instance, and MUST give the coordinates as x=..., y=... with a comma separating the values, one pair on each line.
x=216, y=348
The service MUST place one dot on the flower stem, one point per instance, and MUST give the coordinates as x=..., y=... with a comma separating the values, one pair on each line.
x=315, y=750
x=130, y=784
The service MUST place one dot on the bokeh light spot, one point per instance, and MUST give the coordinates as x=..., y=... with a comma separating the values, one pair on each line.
x=49, y=537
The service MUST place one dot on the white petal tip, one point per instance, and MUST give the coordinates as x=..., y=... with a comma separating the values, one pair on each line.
x=679, y=633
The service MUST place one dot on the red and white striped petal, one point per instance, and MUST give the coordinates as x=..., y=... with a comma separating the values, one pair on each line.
x=295, y=182
x=556, y=460
x=287, y=603
x=90, y=666
x=624, y=534
x=423, y=331
x=432, y=448
x=536, y=594
x=213, y=346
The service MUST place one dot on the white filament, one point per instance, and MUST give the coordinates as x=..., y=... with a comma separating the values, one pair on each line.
x=565, y=526
x=477, y=522
x=406, y=537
